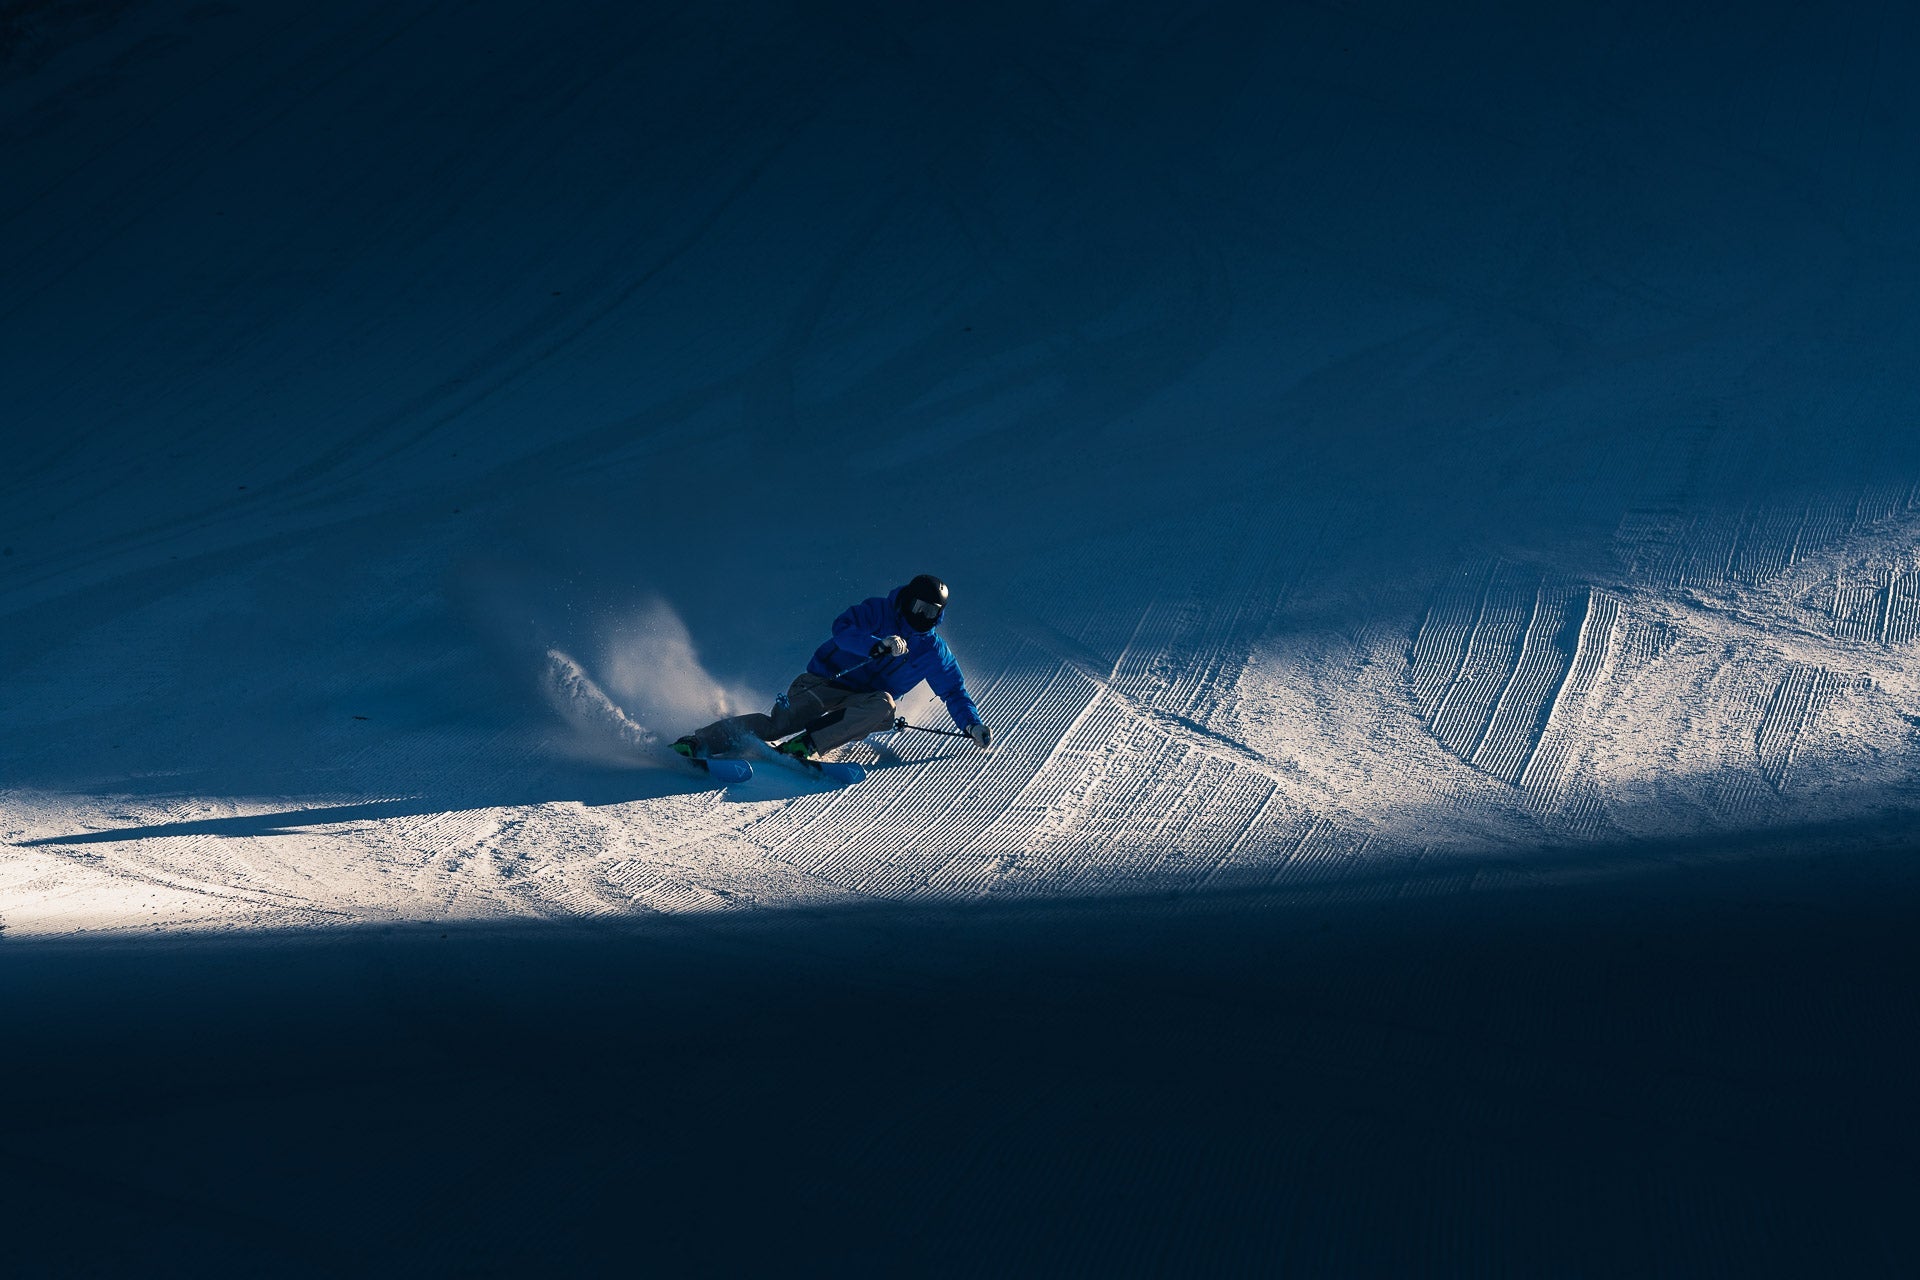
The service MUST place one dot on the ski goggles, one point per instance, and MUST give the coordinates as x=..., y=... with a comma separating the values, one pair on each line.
x=928, y=609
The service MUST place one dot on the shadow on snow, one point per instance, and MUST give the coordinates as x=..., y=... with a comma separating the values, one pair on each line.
x=1683, y=1068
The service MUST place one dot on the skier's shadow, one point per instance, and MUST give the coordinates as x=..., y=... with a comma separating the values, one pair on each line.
x=887, y=756
x=594, y=789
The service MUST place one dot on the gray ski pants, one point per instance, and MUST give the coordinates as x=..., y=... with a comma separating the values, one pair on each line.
x=832, y=716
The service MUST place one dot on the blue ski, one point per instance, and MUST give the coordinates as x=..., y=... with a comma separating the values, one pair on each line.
x=728, y=771
x=724, y=771
x=841, y=773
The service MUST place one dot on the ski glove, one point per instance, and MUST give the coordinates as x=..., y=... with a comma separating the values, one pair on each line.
x=980, y=734
x=888, y=647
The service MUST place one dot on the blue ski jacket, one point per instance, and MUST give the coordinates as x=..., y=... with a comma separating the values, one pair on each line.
x=927, y=657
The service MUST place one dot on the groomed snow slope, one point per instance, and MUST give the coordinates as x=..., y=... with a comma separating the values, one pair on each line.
x=1354, y=438
x=1432, y=500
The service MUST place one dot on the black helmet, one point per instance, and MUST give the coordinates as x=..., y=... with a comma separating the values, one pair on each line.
x=922, y=601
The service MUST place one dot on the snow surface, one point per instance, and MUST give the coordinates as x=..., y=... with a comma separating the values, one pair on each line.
x=1378, y=452
x=1334, y=467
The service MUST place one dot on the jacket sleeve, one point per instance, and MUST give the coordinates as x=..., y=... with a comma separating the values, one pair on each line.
x=951, y=688
x=853, y=631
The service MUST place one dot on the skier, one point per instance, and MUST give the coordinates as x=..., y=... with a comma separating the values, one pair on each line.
x=880, y=649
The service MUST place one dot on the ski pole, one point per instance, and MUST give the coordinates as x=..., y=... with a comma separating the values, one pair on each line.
x=838, y=674
x=901, y=723
x=847, y=671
